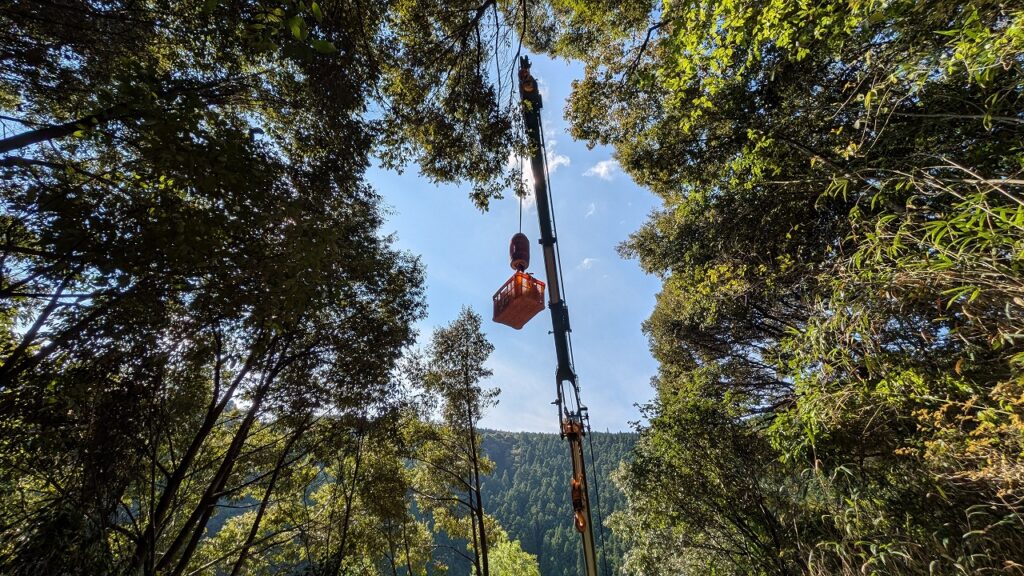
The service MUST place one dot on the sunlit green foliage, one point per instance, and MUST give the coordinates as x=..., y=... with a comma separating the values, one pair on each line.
x=840, y=245
x=198, y=311
x=508, y=559
x=197, y=308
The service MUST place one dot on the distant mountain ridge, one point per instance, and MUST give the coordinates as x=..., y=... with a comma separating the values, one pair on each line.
x=528, y=493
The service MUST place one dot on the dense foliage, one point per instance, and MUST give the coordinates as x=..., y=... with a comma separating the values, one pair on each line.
x=509, y=559
x=528, y=489
x=197, y=309
x=840, y=325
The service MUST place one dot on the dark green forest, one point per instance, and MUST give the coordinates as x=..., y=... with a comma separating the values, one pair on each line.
x=527, y=493
x=200, y=313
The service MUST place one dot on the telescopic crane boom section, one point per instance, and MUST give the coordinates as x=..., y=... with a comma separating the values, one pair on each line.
x=571, y=412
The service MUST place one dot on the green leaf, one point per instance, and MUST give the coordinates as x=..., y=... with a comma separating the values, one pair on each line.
x=323, y=46
x=317, y=12
x=297, y=26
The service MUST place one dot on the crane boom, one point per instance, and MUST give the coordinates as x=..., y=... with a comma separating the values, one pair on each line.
x=571, y=413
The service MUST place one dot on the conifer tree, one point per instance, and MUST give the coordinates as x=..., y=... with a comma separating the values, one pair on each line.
x=452, y=465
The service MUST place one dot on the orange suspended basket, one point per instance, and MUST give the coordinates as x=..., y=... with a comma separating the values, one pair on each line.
x=518, y=300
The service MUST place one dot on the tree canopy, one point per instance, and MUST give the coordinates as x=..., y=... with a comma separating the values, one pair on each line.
x=839, y=244
x=508, y=559
x=198, y=309
x=199, y=313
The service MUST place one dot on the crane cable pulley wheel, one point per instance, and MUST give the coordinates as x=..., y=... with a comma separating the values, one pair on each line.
x=522, y=297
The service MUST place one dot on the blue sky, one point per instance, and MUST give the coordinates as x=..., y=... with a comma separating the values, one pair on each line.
x=466, y=257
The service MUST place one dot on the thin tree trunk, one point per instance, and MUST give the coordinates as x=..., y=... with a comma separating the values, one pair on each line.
x=349, y=497
x=200, y=516
x=254, y=529
x=476, y=538
x=145, y=553
x=405, y=541
x=196, y=522
x=57, y=131
x=476, y=481
x=33, y=331
x=391, y=548
x=116, y=112
x=11, y=369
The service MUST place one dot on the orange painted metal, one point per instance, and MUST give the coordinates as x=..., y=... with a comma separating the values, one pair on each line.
x=518, y=300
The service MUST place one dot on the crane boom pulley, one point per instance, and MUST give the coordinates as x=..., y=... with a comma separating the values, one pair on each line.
x=572, y=414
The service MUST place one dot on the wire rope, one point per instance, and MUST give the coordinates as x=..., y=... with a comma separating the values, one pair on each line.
x=551, y=202
x=579, y=409
x=520, y=194
x=597, y=497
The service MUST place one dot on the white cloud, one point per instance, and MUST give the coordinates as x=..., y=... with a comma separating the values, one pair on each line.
x=554, y=161
x=542, y=87
x=587, y=263
x=590, y=210
x=605, y=169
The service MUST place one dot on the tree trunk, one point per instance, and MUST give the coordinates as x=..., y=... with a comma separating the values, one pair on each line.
x=349, y=497
x=145, y=552
x=196, y=522
x=254, y=529
x=476, y=482
x=200, y=516
x=52, y=132
x=119, y=111
x=405, y=541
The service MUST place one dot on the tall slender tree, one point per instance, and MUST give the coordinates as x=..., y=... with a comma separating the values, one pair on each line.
x=452, y=464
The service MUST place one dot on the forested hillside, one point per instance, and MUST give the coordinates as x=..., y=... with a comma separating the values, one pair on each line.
x=200, y=310
x=528, y=493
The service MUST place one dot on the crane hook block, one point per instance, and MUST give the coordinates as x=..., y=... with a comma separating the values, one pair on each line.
x=518, y=300
x=519, y=252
